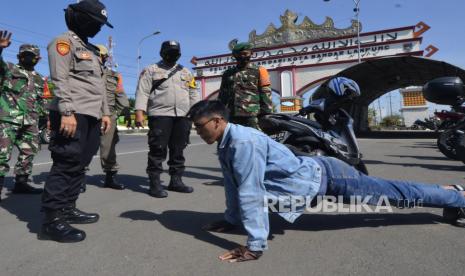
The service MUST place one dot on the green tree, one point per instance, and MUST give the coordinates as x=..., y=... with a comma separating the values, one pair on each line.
x=390, y=121
x=372, y=117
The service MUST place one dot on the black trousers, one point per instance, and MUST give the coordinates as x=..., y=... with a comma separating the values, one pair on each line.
x=70, y=156
x=171, y=132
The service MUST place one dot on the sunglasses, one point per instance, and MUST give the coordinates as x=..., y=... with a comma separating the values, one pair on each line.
x=199, y=126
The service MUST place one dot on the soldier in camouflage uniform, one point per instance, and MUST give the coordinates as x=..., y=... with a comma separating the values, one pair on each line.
x=245, y=89
x=21, y=105
x=117, y=103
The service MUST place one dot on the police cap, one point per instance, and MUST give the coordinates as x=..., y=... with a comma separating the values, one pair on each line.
x=170, y=45
x=94, y=9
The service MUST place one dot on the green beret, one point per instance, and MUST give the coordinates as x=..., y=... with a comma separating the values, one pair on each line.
x=242, y=46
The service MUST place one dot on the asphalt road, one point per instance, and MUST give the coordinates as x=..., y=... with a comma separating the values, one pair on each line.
x=140, y=235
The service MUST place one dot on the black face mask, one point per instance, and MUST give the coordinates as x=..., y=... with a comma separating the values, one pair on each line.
x=82, y=24
x=90, y=29
x=241, y=60
x=28, y=60
x=171, y=57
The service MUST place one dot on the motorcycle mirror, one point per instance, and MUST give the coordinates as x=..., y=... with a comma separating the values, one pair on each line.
x=288, y=104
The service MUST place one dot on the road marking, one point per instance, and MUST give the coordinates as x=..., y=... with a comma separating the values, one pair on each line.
x=121, y=153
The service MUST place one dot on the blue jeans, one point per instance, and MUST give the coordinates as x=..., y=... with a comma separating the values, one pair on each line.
x=344, y=180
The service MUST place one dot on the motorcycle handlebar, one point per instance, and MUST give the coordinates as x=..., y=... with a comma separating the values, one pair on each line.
x=305, y=111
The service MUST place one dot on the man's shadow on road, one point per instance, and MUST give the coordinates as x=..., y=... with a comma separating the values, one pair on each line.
x=25, y=207
x=191, y=222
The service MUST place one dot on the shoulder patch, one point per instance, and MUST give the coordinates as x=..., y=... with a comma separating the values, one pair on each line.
x=119, y=87
x=264, y=76
x=63, y=47
x=192, y=84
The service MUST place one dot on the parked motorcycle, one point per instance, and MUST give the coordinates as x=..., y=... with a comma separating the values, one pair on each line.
x=331, y=133
x=449, y=91
x=449, y=118
x=431, y=123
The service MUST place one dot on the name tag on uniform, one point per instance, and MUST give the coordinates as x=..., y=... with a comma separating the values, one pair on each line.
x=84, y=55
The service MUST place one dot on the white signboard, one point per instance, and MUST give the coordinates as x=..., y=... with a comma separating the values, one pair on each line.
x=377, y=44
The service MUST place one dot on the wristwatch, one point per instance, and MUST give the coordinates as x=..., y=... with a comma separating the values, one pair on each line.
x=67, y=113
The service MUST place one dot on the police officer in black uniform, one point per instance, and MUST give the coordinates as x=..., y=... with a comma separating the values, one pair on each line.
x=78, y=114
x=166, y=91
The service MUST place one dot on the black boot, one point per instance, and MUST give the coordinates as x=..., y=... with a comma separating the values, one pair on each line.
x=156, y=189
x=57, y=229
x=22, y=187
x=2, y=181
x=110, y=181
x=177, y=185
x=73, y=215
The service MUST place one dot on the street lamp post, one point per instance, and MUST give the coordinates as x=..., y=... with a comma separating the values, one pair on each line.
x=138, y=49
x=357, y=12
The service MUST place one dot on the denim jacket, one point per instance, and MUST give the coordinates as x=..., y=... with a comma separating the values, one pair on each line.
x=255, y=167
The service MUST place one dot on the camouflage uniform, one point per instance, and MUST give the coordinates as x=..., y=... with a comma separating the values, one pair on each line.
x=21, y=104
x=246, y=93
x=117, y=102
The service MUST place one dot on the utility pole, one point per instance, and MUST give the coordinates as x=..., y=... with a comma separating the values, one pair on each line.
x=138, y=49
x=357, y=13
x=390, y=104
x=380, y=112
x=111, y=60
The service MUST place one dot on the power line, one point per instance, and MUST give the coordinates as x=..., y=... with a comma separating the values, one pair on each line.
x=126, y=66
x=126, y=57
x=24, y=42
x=129, y=76
x=26, y=30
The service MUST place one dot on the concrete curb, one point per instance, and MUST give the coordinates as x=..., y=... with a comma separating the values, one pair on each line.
x=399, y=134
x=145, y=130
x=125, y=130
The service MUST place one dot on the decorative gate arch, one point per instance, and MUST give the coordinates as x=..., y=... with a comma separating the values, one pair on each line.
x=301, y=56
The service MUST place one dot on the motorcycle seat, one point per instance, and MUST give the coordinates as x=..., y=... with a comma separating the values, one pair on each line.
x=305, y=121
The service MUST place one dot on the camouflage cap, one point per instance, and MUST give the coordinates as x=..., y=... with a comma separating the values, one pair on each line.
x=29, y=48
x=241, y=46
